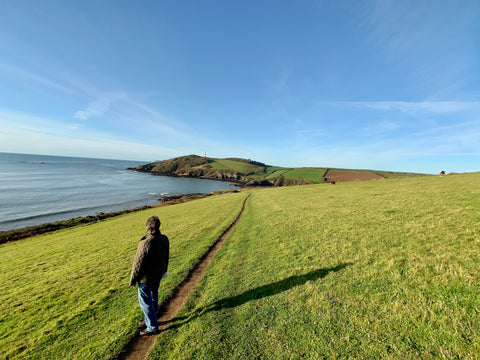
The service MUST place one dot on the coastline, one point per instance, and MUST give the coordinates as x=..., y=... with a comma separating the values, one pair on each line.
x=233, y=180
x=30, y=231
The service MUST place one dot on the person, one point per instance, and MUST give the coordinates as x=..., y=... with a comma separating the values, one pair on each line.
x=149, y=266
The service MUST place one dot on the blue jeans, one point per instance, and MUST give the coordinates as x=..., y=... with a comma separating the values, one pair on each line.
x=148, y=299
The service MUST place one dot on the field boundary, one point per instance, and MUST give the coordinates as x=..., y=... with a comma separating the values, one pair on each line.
x=138, y=347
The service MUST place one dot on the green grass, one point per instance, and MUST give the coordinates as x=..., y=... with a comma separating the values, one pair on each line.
x=273, y=173
x=66, y=296
x=238, y=166
x=315, y=175
x=396, y=174
x=362, y=270
x=270, y=169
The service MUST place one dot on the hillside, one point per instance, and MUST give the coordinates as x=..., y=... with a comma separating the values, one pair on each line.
x=231, y=169
x=83, y=308
x=370, y=270
x=254, y=173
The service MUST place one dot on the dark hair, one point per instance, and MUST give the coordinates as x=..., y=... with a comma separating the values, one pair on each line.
x=153, y=224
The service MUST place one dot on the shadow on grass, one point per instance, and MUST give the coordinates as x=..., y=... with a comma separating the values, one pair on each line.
x=259, y=293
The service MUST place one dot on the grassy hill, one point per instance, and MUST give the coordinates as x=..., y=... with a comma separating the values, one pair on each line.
x=314, y=175
x=66, y=296
x=241, y=167
x=373, y=269
x=363, y=270
x=202, y=167
x=253, y=173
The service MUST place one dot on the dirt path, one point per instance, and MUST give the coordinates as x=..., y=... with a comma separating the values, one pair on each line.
x=138, y=347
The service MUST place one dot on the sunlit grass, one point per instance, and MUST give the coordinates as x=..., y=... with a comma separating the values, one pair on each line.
x=367, y=270
x=66, y=295
x=377, y=269
x=238, y=166
x=315, y=175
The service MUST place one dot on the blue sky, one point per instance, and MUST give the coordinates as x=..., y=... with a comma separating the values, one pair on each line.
x=388, y=85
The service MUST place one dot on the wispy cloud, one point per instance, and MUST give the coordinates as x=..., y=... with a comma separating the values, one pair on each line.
x=24, y=74
x=401, y=135
x=429, y=43
x=155, y=120
x=424, y=153
x=120, y=111
x=456, y=138
x=433, y=107
x=395, y=26
x=125, y=129
x=25, y=133
x=100, y=106
x=429, y=113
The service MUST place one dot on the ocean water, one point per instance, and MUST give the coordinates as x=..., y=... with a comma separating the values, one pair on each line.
x=36, y=189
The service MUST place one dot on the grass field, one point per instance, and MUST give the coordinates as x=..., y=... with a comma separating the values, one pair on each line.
x=269, y=169
x=364, y=270
x=396, y=175
x=240, y=167
x=315, y=175
x=195, y=166
x=66, y=295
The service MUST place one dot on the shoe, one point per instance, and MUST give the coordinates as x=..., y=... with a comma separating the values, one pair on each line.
x=141, y=324
x=148, y=333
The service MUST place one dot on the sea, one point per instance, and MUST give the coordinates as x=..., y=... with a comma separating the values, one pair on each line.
x=38, y=189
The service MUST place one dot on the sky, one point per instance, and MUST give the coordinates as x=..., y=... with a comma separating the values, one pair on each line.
x=381, y=85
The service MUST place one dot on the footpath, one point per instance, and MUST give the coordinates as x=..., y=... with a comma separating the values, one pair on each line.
x=138, y=347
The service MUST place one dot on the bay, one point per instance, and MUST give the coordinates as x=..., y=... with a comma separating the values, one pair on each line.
x=36, y=189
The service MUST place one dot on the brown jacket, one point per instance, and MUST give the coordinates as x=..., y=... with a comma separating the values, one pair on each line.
x=151, y=259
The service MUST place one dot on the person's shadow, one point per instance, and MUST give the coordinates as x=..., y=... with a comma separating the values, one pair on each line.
x=258, y=293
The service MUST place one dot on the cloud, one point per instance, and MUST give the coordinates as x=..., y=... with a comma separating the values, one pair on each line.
x=430, y=43
x=394, y=25
x=429, y=124
x=154, y=137
x=34, y=143
x=125, y=113
x=100, y=106
x=23, y=75
x=428, y=27
x=424, y=154
x=131, y=117
x=25, y=133
x=416, y=136
x=432, y=107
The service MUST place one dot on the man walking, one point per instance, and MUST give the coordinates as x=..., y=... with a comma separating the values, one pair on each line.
x=149, y=266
